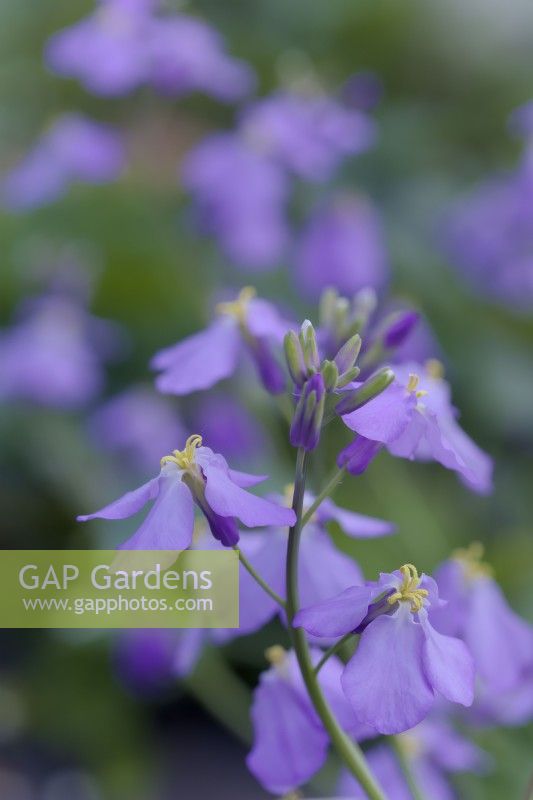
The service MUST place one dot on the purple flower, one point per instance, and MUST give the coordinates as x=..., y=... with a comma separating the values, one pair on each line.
x=186, y=55
x=488, y=234
x=247, y=324
x=511, y=707
x=290, y=743
x=53, y=354
x=123, y=44
x=363, y=90
x=477, y=612
x=415, y=419
x=194, y=475
x=107, y=51
x=342, y=247
x=144, y=659
x=137, y=424
x=307, y=422
x=309, y=136
x=433, y=749
x=401, y=662
x=73, y=149
x=240, y=197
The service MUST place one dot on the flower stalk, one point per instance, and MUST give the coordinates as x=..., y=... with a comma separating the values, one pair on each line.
x=349, y=751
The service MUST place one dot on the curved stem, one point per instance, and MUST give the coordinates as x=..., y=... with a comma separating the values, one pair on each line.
x=349, y=751
x=406, y=768
x=257, y=577
x=332, y=650
x=333, y=482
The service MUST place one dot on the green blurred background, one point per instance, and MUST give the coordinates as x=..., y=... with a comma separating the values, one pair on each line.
x=452, y=71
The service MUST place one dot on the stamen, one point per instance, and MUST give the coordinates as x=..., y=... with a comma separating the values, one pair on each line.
x=435, y=368
x=412, y=385
x=408, y=591
x=413, y=382
x=470, y=559
x=184, y=459
x=276, y=655
x=238, y=309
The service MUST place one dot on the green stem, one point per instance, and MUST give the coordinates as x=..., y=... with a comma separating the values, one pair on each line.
x=406, y=768
x=332, y=650
x=349, y=751
x=255, y=575
x=333, y=482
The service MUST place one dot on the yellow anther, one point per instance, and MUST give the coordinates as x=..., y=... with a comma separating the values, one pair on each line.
x=435, y=368
x=412, y=385
x=408, y=591
x=470, y=559
x=185, y=458
x=276, y=655
x=409, y=745
x=413, y=382
x=238, y=308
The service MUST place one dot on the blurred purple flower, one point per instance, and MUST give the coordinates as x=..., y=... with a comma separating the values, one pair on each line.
x=433, y=749
x=401, y=662
x=240, y=197
x=53, y=353
x=217, y=490
x=307, y=135
x=477, y=612
x=144, y=659
x=228, y=425
x=415, y=419
x=342, y=247
x=73, y=149
x=123, y=44
x=290, y=743
x=245, y=325
x=510, y=707
x=309, y=413
x=138, y=424
x=488, y=235
x=363, y=90
x=187, y=55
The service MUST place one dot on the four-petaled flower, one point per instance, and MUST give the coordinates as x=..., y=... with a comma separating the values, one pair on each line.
x=414, y=419
x=245, y=325
x=194, y=475
x=402, y=662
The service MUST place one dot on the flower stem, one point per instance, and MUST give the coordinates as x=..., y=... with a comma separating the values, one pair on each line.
x=406, y=768
x=349, y=751
x=333, y=482
x=332, y=650
x=257, y=577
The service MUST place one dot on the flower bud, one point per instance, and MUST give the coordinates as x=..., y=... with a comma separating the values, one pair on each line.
x=373, y=386
x=356, y=457
x=309, y=346
x=294, y=357
x=349, y=376
x=398, y=327
x=347, y=355
x=309, y=413
x=330, y=373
